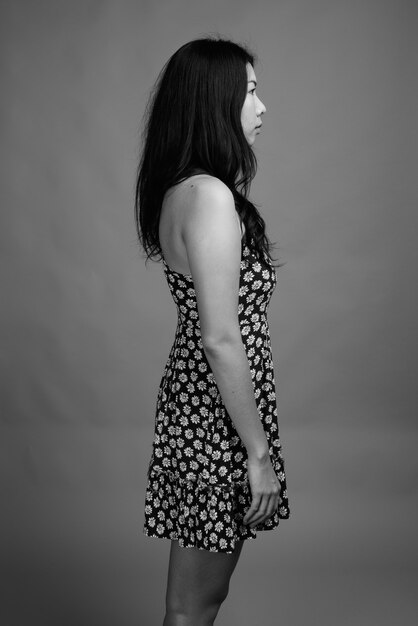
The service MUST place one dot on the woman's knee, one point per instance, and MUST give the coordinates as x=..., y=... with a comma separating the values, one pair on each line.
x=191, y=615
x=200, y=601
x=198, y=583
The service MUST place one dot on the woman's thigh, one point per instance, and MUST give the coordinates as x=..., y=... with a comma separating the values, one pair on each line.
x=198, y=578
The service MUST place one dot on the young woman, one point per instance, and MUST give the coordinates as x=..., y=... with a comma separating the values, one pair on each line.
x=216, y=474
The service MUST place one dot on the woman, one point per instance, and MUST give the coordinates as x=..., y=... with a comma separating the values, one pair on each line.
x=216, y=474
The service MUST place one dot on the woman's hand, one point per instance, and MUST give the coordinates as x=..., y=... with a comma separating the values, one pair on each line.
x=265, y=491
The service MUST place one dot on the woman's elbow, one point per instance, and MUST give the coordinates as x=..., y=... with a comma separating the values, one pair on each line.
x=215, y=344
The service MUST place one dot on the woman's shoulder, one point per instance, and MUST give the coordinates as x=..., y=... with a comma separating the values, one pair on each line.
x=205, y=192
x=200, y=188
x=198, y=202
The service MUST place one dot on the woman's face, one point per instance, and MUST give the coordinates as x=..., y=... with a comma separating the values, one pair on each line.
x=252, y=108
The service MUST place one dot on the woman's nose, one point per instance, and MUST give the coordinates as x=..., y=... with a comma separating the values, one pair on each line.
x=261, y=108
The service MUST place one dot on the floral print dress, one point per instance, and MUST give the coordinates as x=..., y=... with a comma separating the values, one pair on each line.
x=198, y=491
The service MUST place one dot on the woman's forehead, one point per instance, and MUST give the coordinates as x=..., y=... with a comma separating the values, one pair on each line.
x=250, y=73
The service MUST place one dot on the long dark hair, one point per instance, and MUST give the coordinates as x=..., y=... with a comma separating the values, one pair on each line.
x=193, y=124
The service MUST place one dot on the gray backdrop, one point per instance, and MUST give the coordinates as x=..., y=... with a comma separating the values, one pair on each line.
x=86, y=327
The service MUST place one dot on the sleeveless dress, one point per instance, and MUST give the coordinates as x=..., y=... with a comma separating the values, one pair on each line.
x=198, y=490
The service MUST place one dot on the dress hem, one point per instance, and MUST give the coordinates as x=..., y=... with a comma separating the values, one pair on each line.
x=173, y=536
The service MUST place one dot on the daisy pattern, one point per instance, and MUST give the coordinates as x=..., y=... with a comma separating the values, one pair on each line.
x=197, y=490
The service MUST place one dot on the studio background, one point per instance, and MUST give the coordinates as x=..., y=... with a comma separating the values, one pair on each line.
x=86, y=328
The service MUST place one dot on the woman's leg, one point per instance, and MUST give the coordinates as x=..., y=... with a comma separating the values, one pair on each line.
x=198, y=583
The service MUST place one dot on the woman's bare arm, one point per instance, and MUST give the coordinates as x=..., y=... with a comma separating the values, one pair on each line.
x=212, y=240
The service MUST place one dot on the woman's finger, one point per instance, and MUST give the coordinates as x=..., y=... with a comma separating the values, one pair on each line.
x=255, y=504
x=260, y=513
x=273, y=505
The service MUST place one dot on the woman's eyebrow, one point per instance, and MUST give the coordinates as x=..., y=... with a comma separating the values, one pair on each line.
x=253, y=81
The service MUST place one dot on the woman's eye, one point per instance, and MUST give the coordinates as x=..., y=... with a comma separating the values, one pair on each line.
x=252, y=91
